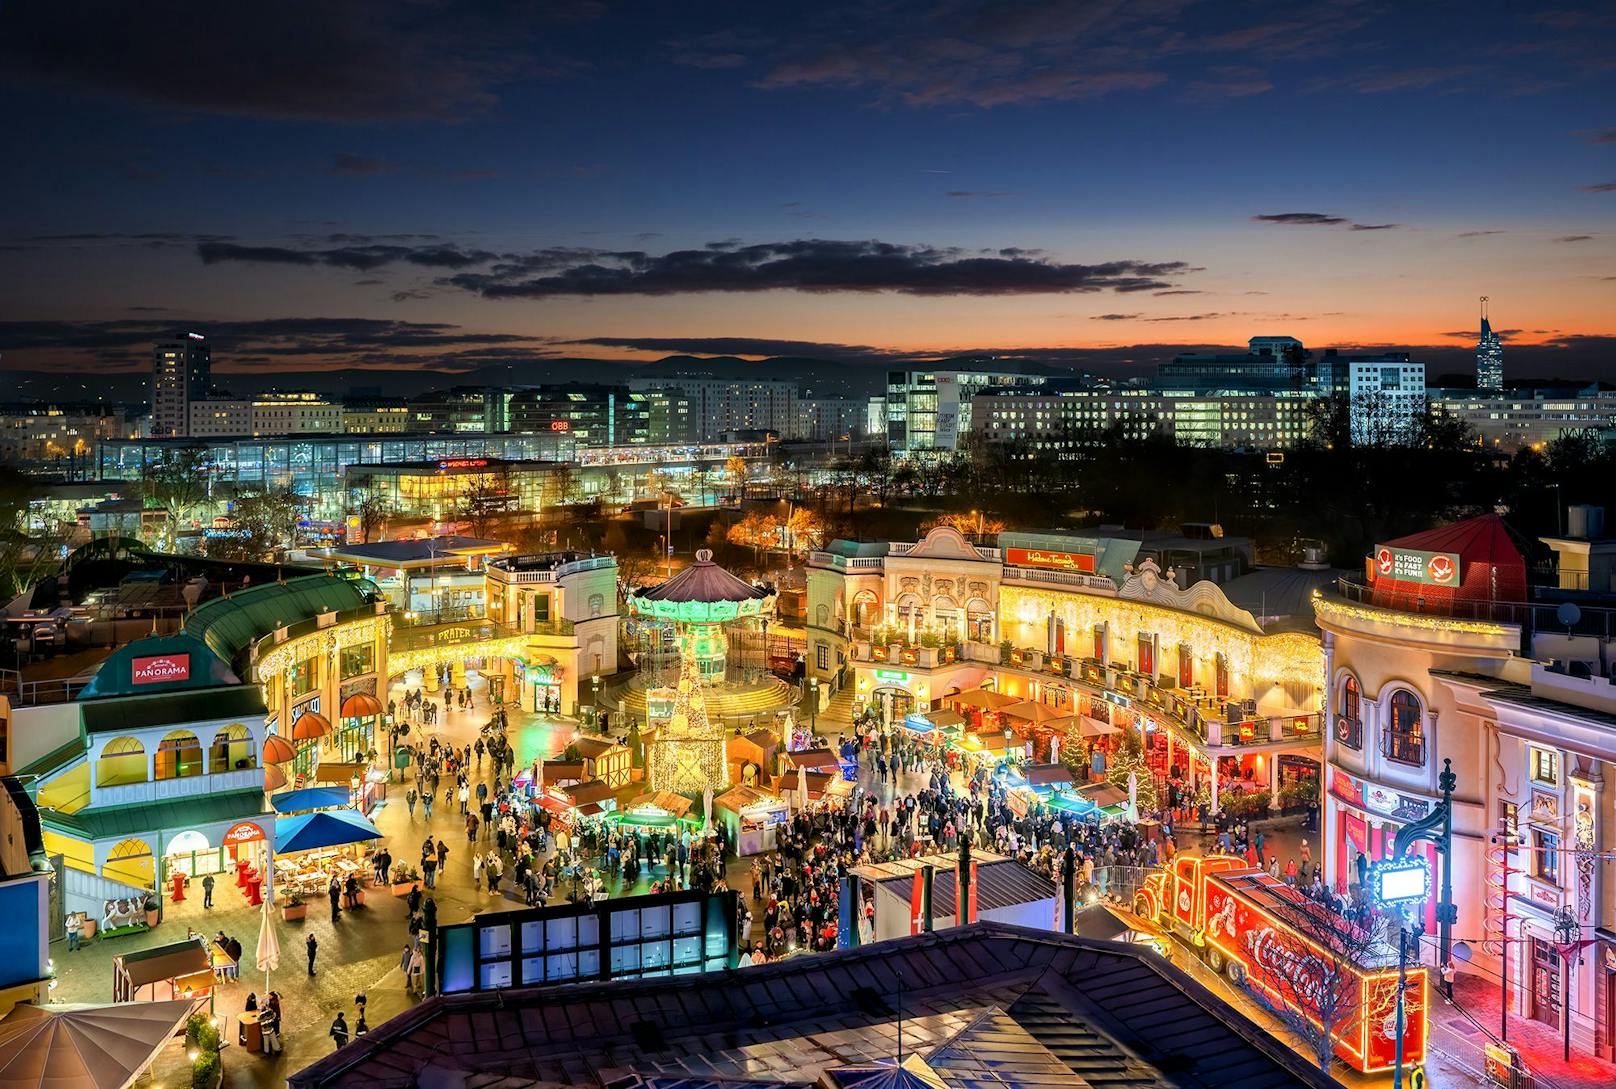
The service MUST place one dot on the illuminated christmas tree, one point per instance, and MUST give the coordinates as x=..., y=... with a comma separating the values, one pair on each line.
x=688, y=755
x=1130, y=756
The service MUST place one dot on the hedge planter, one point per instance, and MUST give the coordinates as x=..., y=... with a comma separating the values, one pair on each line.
x=404, y=889
x=294, y=911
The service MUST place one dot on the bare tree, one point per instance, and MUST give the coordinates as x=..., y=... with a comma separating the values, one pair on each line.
x=1313, y=981
x=178, y=483
x=371, y=509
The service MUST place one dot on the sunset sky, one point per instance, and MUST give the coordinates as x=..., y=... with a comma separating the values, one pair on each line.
x=389, y=182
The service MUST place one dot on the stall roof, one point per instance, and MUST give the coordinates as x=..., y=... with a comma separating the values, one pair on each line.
x=665, y=800
x=593, y=748
x=1047, y=774
x=162, y=962
x=130, y=820
x=945, y=718
x=738, y=798
x=814, y=759
x=301, y=801
x=592, y=791
x=557, y=770
x=337, y=771
x=1104, y=794
x=1031, y=711
x=327, y=828
x=85, y=1047
x=999, y=884
x=984, y=698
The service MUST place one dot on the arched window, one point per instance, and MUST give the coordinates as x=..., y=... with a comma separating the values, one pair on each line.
x=122, y=760
x=1349, y=715
x=1405, y=730
x=179, y=756
x=232, y=750
x=130, y=861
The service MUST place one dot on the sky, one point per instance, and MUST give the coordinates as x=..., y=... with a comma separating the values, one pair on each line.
x=413, y=183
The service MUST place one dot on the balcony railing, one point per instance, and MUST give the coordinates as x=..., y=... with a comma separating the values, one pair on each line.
x=1529, y=615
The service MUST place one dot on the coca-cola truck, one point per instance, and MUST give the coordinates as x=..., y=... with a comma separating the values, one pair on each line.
x=1262, y=933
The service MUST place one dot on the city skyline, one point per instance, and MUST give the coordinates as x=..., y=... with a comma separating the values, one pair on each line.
x=1096, y=183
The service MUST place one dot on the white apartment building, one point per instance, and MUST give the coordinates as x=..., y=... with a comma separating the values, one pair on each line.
x=1387, y=401
x=720, y=405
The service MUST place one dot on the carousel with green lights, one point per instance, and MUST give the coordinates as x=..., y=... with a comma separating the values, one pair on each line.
x=704, y=628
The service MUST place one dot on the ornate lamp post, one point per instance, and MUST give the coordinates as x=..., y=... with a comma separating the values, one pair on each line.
x=813, y=704
x=1568, y=935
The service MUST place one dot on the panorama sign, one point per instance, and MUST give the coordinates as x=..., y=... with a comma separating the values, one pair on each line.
x=160, y=669
x=1413, y=565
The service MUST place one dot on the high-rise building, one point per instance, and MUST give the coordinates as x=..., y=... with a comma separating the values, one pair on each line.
x=182, y=371
x=722, y=405
x=1489, y=355
x=931, y=409
x=1387, y=400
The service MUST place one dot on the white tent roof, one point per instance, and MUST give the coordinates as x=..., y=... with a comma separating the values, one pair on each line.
x=85, y=1047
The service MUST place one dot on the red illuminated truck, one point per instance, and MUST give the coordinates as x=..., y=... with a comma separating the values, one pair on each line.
x=1263, y=933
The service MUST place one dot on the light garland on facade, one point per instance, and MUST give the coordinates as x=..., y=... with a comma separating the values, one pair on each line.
x=277, y=660
x=1335, y=608
x=507, y=646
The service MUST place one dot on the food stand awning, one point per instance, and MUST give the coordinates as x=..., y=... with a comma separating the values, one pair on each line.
x=1084, y=726
x=327, y=828
x=562, y=771
x=301, y=801
x=1032, y=711
x=738, y=798
x=984, y=699
x=85, y=1047
x=945, y=719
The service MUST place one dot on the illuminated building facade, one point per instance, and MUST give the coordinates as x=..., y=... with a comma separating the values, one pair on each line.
x=182, y=373
x=1438, y=653
x=1489, y=356
x=562, y=608
x=1087, y=626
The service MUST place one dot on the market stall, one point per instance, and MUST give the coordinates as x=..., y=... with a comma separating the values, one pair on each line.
x=368, y=784
x=183, y=970
x=751, y=756
x=752, y=818
x=86, y=1047
x=660, y=810
x=311, y=848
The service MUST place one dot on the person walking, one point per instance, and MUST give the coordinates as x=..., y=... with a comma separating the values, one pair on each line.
x=339, y=1031
x=207, y=890
x=409, y=802
x=313, y=945
x=334, y=892
x=426, y=803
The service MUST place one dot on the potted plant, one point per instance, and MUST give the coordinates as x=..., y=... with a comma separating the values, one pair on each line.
x=293, y=907
x=405, y=877
x=151, y=909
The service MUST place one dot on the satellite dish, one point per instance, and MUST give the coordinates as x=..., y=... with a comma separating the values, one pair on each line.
x=1568, y=613
x=1461, y=951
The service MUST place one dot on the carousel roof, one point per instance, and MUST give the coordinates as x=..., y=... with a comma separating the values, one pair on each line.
x=706, y=582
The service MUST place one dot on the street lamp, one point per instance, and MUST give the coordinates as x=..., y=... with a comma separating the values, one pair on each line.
x=594, y=698
x=1567, y=932
x=813, y=705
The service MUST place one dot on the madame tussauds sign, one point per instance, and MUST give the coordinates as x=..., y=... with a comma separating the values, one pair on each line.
x=160, y=669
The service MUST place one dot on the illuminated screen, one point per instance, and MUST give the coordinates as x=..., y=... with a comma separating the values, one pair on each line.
x=1402, y=883
x=674, y=933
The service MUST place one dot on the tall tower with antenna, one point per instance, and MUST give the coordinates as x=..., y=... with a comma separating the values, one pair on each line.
x=1489, y=356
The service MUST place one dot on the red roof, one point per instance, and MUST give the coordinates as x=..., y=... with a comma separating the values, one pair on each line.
x=1491, y=565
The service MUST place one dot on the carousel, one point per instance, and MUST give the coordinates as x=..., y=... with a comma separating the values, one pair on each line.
x=706, y=627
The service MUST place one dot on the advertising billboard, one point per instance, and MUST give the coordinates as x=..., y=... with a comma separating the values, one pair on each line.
x=1413, y=565
x=1053, y=561
x=160, y=669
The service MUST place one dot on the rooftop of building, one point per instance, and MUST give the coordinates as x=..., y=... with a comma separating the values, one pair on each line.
x=413, y=551
x=229, y=625
x=549, y=561
x=1281, y=597
x=969, y=1006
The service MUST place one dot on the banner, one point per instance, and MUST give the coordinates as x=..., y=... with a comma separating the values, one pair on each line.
x=1049, y=560
x=917, y=908
x=1413, y=565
